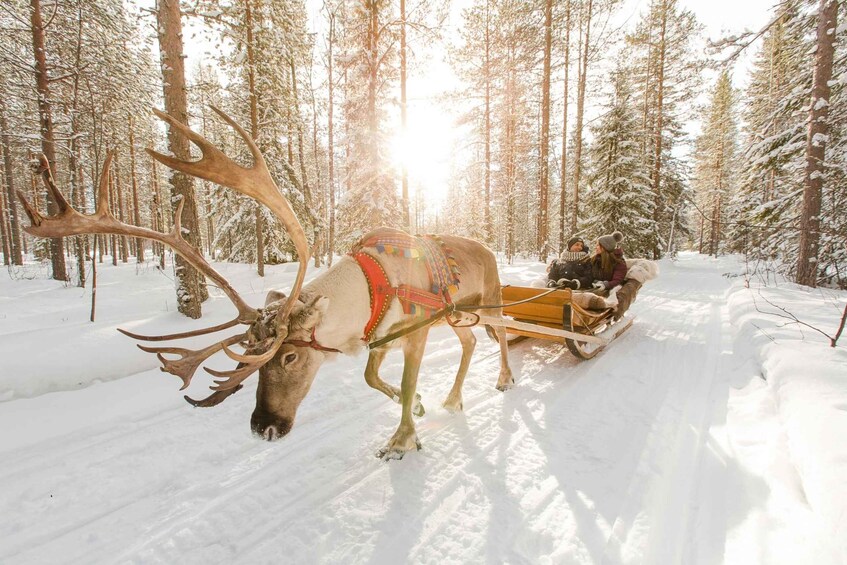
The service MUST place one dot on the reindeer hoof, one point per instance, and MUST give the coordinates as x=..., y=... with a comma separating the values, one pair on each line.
x=394, y=451
x=453, y=406
x=389, y=454
x=504, y=387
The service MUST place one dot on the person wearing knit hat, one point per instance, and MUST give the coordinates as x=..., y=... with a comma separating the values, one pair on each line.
x=611, y=241
x=607, y=265
x=572, y=269
x=573, y=241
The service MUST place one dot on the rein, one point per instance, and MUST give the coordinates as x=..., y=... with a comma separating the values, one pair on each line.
x=313, y=344
x=448, y=311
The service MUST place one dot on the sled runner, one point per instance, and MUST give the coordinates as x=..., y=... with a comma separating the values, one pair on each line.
x=558, y=316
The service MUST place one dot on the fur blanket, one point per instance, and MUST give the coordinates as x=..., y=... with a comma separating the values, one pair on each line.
x=641, y=270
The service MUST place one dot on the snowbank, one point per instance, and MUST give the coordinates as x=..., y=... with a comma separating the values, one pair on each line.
x=809, y=381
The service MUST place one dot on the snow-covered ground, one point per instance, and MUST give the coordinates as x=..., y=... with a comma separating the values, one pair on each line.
x=708, y=433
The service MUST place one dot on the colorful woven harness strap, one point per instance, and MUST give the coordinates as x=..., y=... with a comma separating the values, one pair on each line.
x=381, y=292
x=378, y=287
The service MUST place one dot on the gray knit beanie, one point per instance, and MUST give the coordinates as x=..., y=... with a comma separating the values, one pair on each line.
x=610, y=242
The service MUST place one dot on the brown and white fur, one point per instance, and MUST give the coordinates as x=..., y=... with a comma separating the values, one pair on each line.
x=336, y=306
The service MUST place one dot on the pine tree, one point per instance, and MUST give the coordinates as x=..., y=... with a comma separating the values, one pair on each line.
x=667, y=72
x=771, y=134
x=777, y=105
x=715, y=170
x=619, y=195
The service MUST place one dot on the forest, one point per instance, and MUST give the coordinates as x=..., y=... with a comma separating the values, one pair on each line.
x=566, y=117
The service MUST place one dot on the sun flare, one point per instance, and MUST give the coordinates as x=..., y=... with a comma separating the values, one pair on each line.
x=426, y=151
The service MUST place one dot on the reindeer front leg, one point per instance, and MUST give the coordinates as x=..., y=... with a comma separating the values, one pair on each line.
x=375, y=359
x=405, y=438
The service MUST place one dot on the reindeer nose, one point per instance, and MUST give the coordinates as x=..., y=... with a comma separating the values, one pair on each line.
x=269, y=427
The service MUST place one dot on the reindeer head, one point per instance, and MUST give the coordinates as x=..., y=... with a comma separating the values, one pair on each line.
x=280, y=341
x=287, y=377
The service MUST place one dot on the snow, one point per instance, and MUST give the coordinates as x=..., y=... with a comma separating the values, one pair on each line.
x=821, y=103
x=820, y=139
x=710, y=432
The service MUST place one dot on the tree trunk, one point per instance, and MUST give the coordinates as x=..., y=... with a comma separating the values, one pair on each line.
x=124, y=249
x=580, y=111
x=77, y=188
x=818, y=135
x=9, y=177
x=373, y=77
x=4, y=231
x=113, y=206
x=657, y=157
x=403, y=126
x=510, y=151
x=136, y=210
x=541, y=240
x=563, y=189
x=254, y=130
x=489, y=228
x=331, y=141
x=157, y=221
x=57, y=248
x=191, y=287
x=304, y=177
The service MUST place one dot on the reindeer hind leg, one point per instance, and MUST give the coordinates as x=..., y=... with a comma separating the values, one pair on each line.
x=453, y=402
x=506, y=380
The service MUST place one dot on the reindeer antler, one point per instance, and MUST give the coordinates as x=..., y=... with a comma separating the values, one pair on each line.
x=70, y=222
x=255, y=182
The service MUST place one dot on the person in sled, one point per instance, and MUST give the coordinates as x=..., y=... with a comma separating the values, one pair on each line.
x=608, y=267
x=610, y=272
x=572, y=269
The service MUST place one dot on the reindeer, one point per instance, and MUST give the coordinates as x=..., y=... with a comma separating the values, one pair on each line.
x=289, y=339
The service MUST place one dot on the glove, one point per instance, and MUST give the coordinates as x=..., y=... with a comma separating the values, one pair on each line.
x=599, y=284
x=552, y=284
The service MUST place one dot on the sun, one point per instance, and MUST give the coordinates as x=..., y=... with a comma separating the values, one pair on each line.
x=426, y=151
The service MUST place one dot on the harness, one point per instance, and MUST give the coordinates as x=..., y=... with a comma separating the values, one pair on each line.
x=442, y=271
x=313, y=344
x=432, y=305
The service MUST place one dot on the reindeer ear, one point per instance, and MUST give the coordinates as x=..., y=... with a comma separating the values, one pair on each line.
x=311, y=314
x=274, y=296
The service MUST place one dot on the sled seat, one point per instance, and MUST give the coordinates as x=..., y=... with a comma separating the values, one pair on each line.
x=558, y=310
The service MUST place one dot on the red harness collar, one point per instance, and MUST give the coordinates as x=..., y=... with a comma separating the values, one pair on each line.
x=381, y=292
x=313, y=344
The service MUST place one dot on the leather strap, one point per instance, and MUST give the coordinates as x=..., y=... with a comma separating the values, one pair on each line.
x=313, y=344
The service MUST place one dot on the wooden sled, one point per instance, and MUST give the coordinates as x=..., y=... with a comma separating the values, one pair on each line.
x=558, y=317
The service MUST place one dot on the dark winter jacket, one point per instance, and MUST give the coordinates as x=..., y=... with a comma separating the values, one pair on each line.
x=613, y=278
x=572, y=265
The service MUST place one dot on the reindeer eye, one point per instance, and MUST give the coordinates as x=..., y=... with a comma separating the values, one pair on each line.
x=290, y=358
